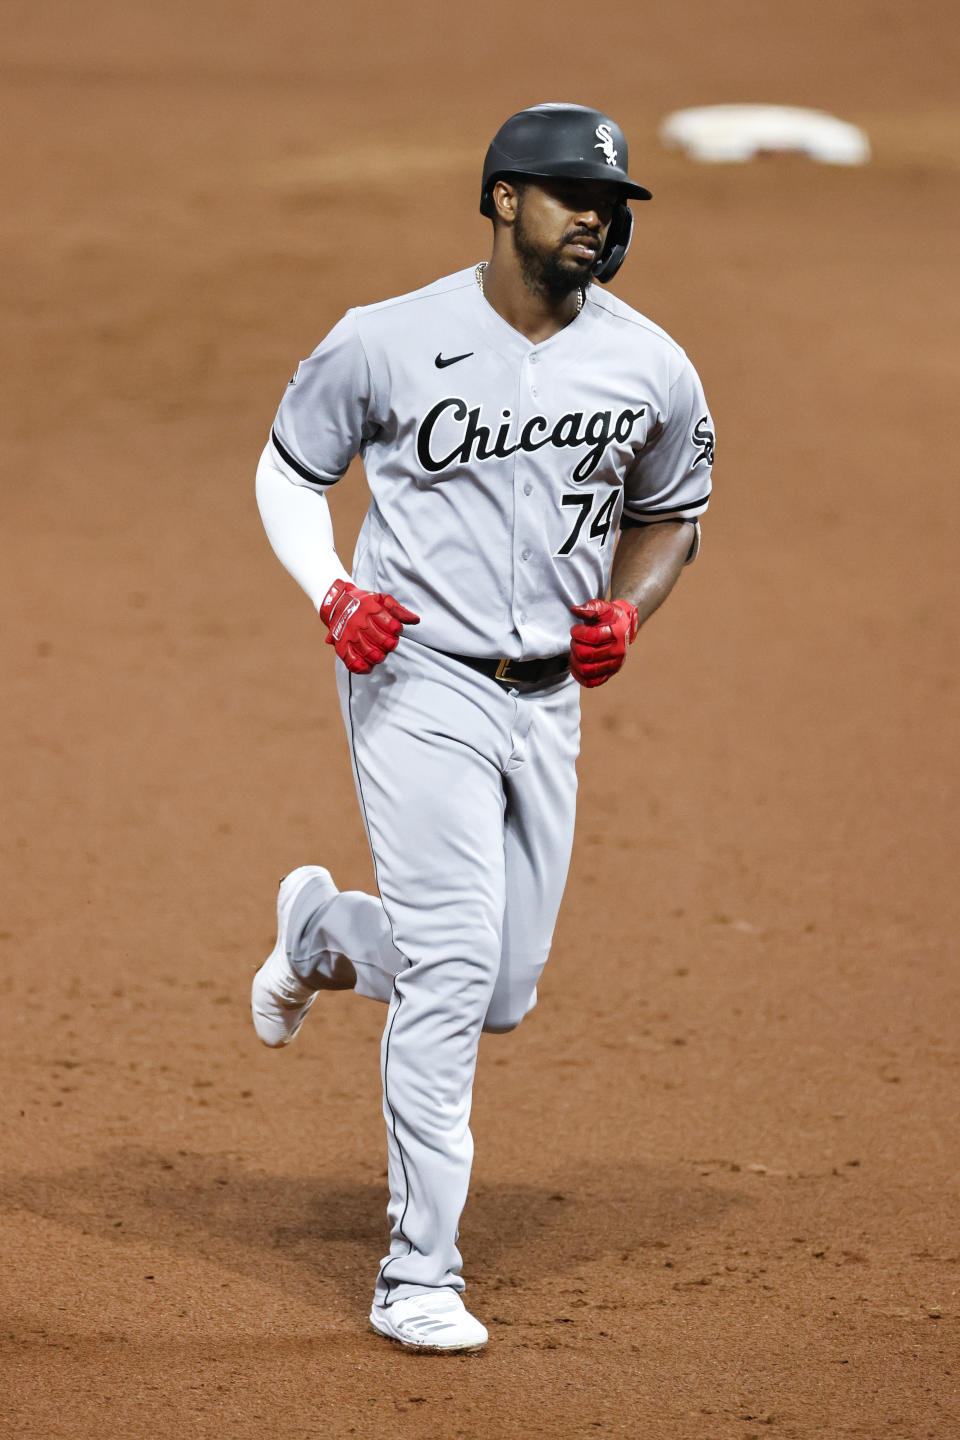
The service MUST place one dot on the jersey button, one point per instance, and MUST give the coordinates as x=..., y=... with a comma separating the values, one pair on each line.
x=525, y=554
x=534, y=359
x=528, y=489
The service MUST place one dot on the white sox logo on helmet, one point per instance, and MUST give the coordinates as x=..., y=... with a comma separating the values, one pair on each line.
x=605, y=137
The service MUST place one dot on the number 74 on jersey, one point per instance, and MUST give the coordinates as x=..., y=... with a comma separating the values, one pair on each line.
x=583, y=502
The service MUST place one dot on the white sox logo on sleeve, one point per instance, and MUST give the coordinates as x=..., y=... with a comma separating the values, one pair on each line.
x=703, y=438
x=571, y=431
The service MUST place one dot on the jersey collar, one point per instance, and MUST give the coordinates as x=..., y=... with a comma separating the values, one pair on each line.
x=507, y=340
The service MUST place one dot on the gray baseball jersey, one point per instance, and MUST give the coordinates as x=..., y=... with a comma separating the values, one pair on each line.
x=499, y=470
x=499, y=473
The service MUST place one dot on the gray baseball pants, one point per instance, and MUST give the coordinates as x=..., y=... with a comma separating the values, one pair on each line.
x=468, y=794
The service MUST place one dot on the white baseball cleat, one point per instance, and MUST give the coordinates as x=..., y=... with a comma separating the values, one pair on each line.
x=279, y=999
x=439, y=1322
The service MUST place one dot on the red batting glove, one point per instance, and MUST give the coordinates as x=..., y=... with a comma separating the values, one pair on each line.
x=598, y=646
x=364, y=628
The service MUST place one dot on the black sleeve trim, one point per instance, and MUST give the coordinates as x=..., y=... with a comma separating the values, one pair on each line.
x=664, y=512
x=627, y=522
x=295, y=464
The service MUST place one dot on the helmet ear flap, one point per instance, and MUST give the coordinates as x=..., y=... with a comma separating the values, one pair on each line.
x=618, y=243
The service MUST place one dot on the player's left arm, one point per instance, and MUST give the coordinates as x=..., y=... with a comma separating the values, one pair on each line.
x=648, y=563
x=646, y=566
x=665, y=493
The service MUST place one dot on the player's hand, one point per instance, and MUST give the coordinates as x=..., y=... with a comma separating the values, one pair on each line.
x=364, y=628
x=598, y=645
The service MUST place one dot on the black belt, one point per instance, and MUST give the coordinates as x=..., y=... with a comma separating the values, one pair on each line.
x=526, y=673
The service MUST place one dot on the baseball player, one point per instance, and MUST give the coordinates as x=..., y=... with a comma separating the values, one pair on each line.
x=538, y=455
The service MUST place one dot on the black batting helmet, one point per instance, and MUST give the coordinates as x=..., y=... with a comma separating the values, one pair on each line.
x=572, y=142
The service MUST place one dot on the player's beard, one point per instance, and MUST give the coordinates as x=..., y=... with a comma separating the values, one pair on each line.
x=547, y=273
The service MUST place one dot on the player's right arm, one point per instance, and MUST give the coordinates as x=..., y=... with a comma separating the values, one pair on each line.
x=326, y=415
x=299, y=528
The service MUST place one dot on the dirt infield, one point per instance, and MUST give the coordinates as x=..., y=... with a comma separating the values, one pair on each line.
x=716, y=1187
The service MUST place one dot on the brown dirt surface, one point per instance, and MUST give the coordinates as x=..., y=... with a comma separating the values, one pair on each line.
x=716, y=1187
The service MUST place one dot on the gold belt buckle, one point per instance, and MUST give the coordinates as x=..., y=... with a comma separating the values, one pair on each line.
x=502, y=669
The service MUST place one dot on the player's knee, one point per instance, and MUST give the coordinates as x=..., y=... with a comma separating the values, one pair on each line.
x=500, y=1025
x=506, y=1013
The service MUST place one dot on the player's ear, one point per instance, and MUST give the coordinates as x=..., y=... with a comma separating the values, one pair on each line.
x=505, y=200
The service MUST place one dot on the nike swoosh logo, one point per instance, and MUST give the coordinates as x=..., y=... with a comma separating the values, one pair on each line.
x=442, y=364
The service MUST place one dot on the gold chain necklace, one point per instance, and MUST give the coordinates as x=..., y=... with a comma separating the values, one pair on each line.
x=483, y=265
